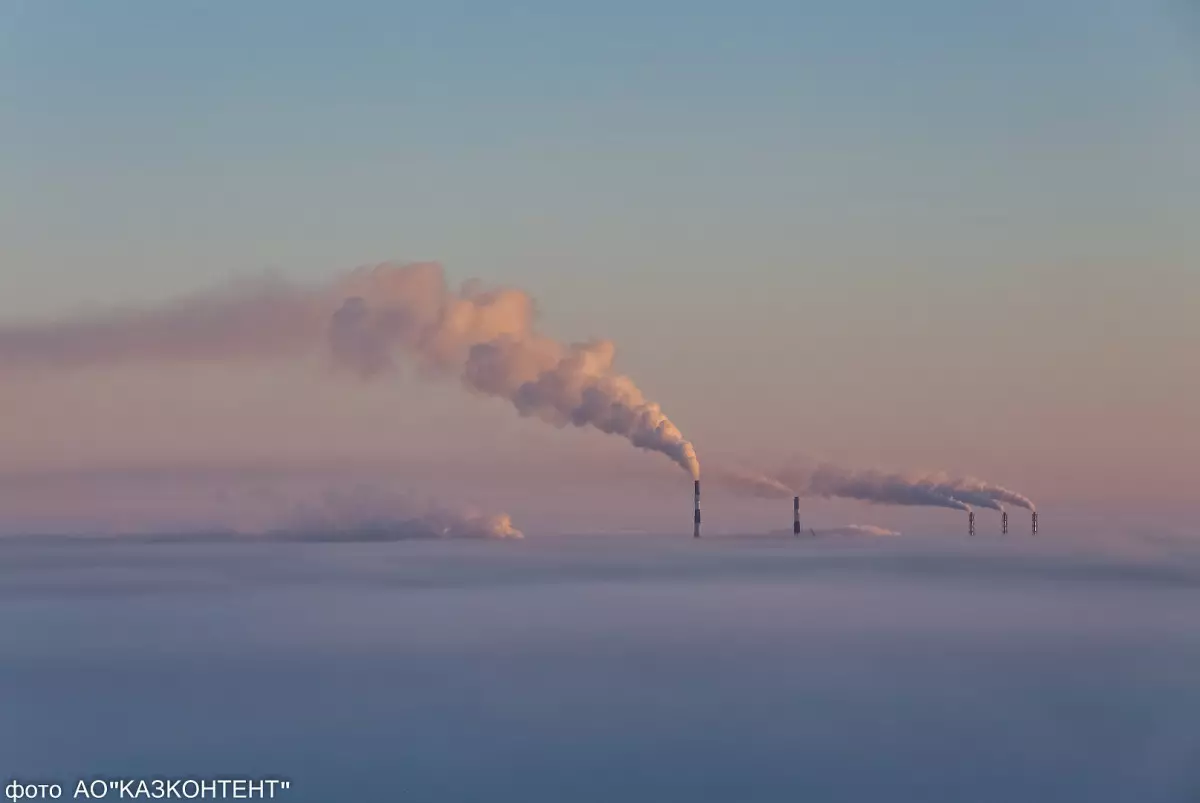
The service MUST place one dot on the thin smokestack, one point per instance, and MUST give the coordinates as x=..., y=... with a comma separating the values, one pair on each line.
x=1035, y=523
x=796, y=516
x=696, y=525
x=1004, y=523
x=485, y=337
x=971, y=523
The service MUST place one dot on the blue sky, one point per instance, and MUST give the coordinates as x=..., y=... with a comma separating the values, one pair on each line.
x=178, y=142
x=912, y=233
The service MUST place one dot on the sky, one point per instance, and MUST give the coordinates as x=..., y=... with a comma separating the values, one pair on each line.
x=936, y=235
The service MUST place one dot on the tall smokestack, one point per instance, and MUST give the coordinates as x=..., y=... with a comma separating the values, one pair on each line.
x=971, y=523
x=696, y=527
x=796, y=516
x=1004, y=523
x=1035, y=522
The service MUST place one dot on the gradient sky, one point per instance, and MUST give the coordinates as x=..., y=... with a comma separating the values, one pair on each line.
x=937, y=234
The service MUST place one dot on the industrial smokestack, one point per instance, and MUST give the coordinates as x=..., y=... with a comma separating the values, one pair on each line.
x=1035, y=522
x=1004, y=523
x=971, y=523
x=796, y=516
x=696, y=527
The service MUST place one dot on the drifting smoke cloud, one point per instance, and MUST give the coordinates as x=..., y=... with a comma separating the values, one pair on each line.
x=367, y=516
x=255, y=320
x=485, y=337
x=932, y=490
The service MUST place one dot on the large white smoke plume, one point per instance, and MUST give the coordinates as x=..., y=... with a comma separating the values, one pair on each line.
x=364, y=321
x=880, y=487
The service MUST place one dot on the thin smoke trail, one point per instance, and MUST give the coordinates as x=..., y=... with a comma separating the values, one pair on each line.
x=879, y=487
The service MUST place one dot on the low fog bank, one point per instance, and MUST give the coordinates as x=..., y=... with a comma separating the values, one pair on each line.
x=755, y=668
x=554, y=497
x=390, y=556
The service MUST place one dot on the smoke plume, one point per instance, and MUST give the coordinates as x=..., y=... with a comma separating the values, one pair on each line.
x=977, y=492
x=485, y=337
x=970, y=491
x=917, y=489
x=251, y=320
x=488, y=338
x=880, y=487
